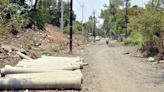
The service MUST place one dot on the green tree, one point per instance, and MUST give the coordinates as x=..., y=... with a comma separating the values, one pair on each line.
x=89, y=25
x=18, y=15
x=152, y=30
x=113, y=22
x=147, y=28
x=52, y=10
x=77, y=29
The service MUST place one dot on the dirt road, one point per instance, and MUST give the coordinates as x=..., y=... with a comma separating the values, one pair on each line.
x=111, y=71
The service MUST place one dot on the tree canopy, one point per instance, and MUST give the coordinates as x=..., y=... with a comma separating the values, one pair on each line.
x=19, y=14
x=145, y=25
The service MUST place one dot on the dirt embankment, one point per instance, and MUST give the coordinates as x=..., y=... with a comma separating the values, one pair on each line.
x=35, y=43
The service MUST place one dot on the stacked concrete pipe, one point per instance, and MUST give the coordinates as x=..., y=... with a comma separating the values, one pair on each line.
x=41, y=81
x=46, y=72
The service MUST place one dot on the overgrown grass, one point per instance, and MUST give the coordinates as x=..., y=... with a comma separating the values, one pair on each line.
x=135, y=38
x=3, y=31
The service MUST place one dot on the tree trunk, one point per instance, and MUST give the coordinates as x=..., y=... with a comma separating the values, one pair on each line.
x=36, y=5
x=157, y=4
x=152, y=4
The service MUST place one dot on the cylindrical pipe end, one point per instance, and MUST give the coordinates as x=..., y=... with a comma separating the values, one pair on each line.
x=2, y=71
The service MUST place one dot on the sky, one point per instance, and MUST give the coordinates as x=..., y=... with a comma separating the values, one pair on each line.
x=97, y=5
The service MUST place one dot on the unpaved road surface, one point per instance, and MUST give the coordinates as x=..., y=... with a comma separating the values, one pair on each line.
x=110, y=70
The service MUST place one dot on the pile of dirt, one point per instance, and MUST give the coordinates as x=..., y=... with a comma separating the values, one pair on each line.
x=9, y=58
x=35, y=43
x=79, y=41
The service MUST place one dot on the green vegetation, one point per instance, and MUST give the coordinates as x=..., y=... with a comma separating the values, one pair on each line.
x=37, y=18
x=17, y=15
x=145, y=25
x=135, y=38
x=89, y=27
x=113, y=18
x=77, y=28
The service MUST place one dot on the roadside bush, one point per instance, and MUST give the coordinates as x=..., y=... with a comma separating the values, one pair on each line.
x=37, y=18
x=152, y=29
x=67, y=29
x=135, y=38
x=3, y=31
x=147, y=31
x=77, y=28
x=13, y=19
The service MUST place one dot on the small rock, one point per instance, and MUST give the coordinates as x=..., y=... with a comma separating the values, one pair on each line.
x=126, y=52
x=2, y=56
x=6, y=48
x=161, y=61
x=1, y=50
x=151, y=59
x=26, y=90
x=22, y=50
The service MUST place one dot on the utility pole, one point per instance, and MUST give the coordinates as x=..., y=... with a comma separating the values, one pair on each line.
x=62, y=15
x=71, y=31
x=126, y=18
x=82, y=6
x=31, y=2
x=94, y=25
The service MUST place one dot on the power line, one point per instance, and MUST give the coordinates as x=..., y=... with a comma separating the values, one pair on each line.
x=62, y=17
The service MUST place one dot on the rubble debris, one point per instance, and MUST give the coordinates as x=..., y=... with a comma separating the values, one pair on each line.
x=23, y=56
